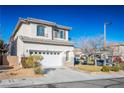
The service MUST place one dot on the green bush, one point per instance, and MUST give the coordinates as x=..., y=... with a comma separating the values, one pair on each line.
x=36, y=64
x=38, y=70
x=31, y=61
x=37, y=58
x=105, y=69
x=28, y=62
x=115, y=68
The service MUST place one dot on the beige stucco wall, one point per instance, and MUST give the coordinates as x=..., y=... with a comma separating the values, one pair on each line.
x=30, y=30
x=10, y=60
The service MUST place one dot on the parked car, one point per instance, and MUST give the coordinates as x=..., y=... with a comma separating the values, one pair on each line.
x=100, y=62
x=76, y=60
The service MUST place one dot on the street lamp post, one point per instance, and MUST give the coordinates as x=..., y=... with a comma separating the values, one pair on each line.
x=105, y=26
x=104, y=35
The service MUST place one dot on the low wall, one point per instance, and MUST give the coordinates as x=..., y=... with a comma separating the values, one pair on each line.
x=10, y=60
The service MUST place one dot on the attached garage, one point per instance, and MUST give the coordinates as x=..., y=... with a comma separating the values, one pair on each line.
x=50, y=58
x=55, y=53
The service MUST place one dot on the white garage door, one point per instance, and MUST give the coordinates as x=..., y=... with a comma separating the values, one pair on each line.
x=51, y=59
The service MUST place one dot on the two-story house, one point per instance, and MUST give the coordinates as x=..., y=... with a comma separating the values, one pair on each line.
x=35, y=36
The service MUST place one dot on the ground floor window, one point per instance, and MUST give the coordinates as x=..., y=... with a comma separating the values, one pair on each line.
x=45, y=52
x=31, y=53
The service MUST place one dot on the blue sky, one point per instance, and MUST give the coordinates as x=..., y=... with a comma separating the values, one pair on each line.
x=85, y=20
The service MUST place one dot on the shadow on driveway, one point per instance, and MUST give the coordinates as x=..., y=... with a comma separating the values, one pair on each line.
x=47, y=70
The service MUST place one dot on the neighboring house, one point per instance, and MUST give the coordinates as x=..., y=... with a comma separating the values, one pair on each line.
x=103, y=56
x=35, y=36
x=118, y=50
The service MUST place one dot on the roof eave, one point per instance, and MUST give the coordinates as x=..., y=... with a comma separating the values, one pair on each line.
x=28, y=20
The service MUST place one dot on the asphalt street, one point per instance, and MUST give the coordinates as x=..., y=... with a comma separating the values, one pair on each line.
x=102, y=83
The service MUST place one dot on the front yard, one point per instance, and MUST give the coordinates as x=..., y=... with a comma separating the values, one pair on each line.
x=30, y=68
x=20, y=73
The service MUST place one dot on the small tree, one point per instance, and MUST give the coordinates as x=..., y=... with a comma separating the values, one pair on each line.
x=89, y=45
x=3, y=47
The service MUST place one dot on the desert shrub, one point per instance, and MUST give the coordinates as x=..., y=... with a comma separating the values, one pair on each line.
x=28, y=62
x=36, y=64
x=31, y=61
x=23, y=62
x=105, y=69
x=115, y=68
x=37, y=58
x=38, y=70
x=122, y=66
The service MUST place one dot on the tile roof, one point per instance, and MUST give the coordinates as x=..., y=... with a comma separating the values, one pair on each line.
x=45, y=41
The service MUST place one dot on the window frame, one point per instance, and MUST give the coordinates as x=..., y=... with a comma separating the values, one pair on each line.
x=31, y=53
x=40, y=33
x=36, y=52
x=62, y=34
x=59, y=33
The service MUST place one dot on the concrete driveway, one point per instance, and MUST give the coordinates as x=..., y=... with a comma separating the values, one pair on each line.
x=56, y=75
x=66, y=74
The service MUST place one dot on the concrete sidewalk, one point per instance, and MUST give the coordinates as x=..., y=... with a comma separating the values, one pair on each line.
x=57, y=76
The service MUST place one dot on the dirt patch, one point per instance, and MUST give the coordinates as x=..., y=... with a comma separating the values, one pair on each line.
x=20, y=73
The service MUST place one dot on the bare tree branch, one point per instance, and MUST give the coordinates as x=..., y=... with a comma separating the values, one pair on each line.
x=89, y=45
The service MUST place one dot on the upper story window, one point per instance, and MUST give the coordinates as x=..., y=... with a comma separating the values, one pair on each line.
x=56, y=33
x=40, y=30
x=59, y=34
